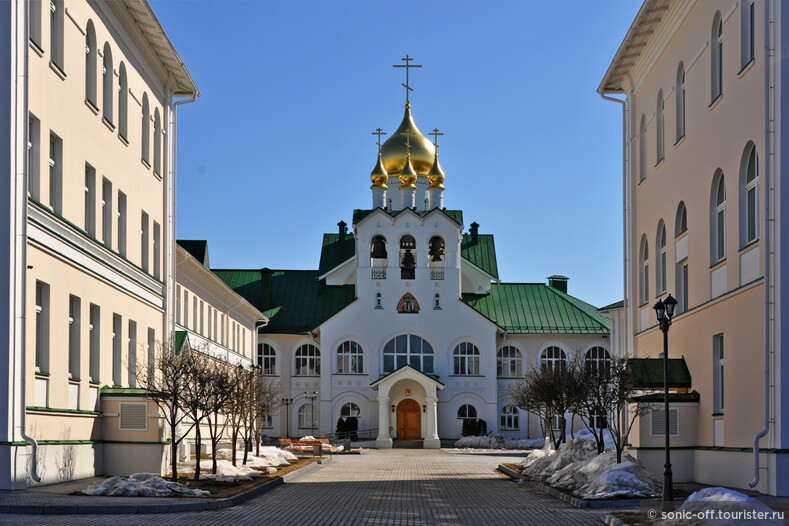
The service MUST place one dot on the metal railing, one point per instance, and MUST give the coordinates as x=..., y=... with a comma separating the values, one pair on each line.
x=361, y=434
x=378, y=272
x=437, y=273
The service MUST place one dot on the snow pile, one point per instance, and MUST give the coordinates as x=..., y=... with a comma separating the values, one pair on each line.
x=270, y=458
x=142, y=485
x=725, y=501
x=541, y=464
x=602, y=478
x=498, y=442
x=607, y=440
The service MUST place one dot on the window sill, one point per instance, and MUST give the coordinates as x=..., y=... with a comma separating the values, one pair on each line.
x=306, y=376
x=36, y=48
x=714, y=104
x=74, y=380
x=157, y=175
x=379, y=308
x=108, y=123
x=660, y=162
x=123, y=139
x=59, y=72
x=510, y=377
x=746, y=68
x=717, y=415
x=642, y=181
x=466, y=376
x=717, y=264
x=350, y=374
x=750, y=245
x=681, y=235
x=42, y=374
x=94, y=383
x=679, y=142
x=92, y=106
x=145, y=163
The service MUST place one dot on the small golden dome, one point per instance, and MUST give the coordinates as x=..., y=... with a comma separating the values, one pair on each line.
x=436, y=175
x=408, y=175
x=394, y=150
x=379, y=175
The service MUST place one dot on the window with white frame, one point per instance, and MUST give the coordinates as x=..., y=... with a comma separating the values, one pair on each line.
x=682, y=287
x=716, y=56
x=90, y=200
x=509, y=362
x=132, y=366
x=145, y=240
x=42, y=327
x=146, y=130
x=33, y=157
x=91, y=54
x=717, y=373
x=123, y=103
x=55, y=174
x=94, y=342
x=308, y=420
x=117, y=350
x=661, y=259
x=408, y=349
x=509, y=418
x=56, y=31
x=122, y=223
x=308, y=360
x=107, y=74
x=157, y=256
x=659, y=124
x=553, y=357
x=679, y=99
x=350, y=358
x=597, y=360
x=74, y=337
x=151, y=354
x=681, y=221
x=35, y=23
x=157, y=142
x=466, y=359
x=350, y=410
x=106, y=212
x=718, y=223
x=642, y=149
x=749, y=212
x=643, y=271
x=267, y=422
x=748, y=39
x=467, y=411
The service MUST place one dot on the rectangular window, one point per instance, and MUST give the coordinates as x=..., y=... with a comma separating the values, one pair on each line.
x=721, y=235
x=682, y=286
x=35, y=23
x=56, y=23
x=55, y=173
x=717, y=373
x=132, y=339
x=42, y=327
x=210, y=314
x=144, y=242
x=106, y=212
x=95, y=343
x=73, y=337
x=194, y=313
x=90, y=200
x=202, y=306
x=151, y=355
x=658, y=424
x=122, y=223
x=186, y=309
x=117, y=350
x=33, y=157
x=178, y=304
x=752, y=214
x=157, y=250
x=215, y=327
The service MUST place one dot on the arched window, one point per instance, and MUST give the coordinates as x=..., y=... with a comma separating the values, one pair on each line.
x=307, y=420
x=146, y=130
x=509, y=362
x=407, y=257
x=661, y=258
x=718, y=219
x=659, y=123
x=379, y=302
x=408, y=349
x=716, y=56
x=308, y=360
x=680, y=99
x=378, y=257
x=267, y=359
x=350, y=410
x=597, y=360
x=643, y=273
x=107, y=74
x=466, y=359
x=509, y=418
x=90, y=64
x=436, y=257
x=749, y=197
x=552, y=357
x=681, y=221
x=642, y=149
x=157, y=143
x=748, y=42
x=437, y=301
x=350, y=358
x=123, y=102
x=467, y=411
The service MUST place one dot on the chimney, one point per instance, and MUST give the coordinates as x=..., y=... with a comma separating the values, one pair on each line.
x=558, y=282
x=343, y=230
x=474, y=231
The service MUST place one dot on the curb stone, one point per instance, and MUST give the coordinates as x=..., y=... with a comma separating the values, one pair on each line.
x=610, y=520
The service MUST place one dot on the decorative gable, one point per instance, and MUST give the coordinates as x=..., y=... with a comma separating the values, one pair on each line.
x=408, y=304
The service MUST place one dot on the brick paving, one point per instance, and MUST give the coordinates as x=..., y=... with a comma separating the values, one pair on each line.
x=390, y=487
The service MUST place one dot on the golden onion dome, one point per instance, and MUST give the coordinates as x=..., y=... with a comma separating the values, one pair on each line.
x=407, y=174
x=393, y=151
x=436, y=175
x=379, y=176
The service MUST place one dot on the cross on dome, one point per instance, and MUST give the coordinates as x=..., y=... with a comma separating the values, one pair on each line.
x=378, y=132
x=435, y=133
x=407, y=66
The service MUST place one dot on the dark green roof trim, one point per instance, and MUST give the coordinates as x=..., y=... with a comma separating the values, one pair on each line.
x=433, y=377
x=132, y=392
x=64, y=411
x=691, y=397
x=181, y=338
x=535, y=308
x=198, y=248
x=616, y=305
x=480, y=253
x=336, y=251
x=649, y=372
x=454, y=215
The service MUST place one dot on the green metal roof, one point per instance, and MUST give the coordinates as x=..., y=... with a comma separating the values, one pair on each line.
x=335, y=251
x=124, y=391
x=616, y=305
x=198, y=248
x=480, y=253
x=693, y=396
x=295, y=301
x=454, y=215
x=181, y=338
x=535, y=308
x=649, y=372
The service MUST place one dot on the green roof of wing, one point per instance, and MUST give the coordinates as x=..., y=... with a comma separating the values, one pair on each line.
x=535, y=308
x=481, y=253
x=649, y=372
x=454, y=215
x=294, y=301
x=615, y=305
x=198, y=248
x=335, y=251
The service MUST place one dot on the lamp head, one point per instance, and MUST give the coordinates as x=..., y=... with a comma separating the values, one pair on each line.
x=660, y=308
x=670, y=303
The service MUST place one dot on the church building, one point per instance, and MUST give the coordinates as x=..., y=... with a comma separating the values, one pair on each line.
x=405, y=324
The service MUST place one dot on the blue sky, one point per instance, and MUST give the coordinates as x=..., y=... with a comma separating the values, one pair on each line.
x=278, y=149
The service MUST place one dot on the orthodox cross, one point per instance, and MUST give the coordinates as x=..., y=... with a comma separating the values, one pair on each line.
x=408, y=144
x=435, y=135
x=407, y=65
x=378, y=132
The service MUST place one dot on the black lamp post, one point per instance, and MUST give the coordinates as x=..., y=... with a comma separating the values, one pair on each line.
x=312, y=396
x=665, y=311
x=288, y=402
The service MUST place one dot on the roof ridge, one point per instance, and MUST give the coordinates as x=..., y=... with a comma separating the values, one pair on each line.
x=572, y=300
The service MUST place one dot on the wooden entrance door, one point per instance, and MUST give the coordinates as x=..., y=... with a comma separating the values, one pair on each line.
x=409, y=420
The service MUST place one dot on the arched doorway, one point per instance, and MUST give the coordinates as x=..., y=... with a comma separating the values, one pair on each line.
x=409, y=420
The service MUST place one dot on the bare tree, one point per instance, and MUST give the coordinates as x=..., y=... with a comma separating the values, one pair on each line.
x=237, y=405
x=217, y=403
x=196, y=396
x=620, y=404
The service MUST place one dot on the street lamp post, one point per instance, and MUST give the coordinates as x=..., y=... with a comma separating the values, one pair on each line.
x=312, y=396
x=288, y=402
x=665, y=311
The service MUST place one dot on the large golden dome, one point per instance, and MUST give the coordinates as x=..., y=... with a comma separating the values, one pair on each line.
x=393, y=151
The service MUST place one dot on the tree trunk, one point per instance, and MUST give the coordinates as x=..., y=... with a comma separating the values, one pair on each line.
x=198, y=447
x=234, y=439
x=173, y=453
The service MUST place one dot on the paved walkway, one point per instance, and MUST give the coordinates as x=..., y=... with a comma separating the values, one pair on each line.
x=390, y=487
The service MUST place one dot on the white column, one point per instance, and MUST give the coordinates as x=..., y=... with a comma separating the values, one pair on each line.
x=436, y=197
x=408, y=197
x=379, y=196
x=431, y=436
x=384, y=441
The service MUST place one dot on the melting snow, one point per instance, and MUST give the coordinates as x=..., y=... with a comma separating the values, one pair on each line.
x=498, y=442
x=142, y=485
x=724, y=500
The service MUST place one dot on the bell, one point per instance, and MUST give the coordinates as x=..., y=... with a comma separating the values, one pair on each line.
x=436, y=249
x=379, y=249
x=408, y=260
x=437, y=256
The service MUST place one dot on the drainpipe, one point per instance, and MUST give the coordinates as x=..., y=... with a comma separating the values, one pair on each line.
x=768, y=219
x=23, y=256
